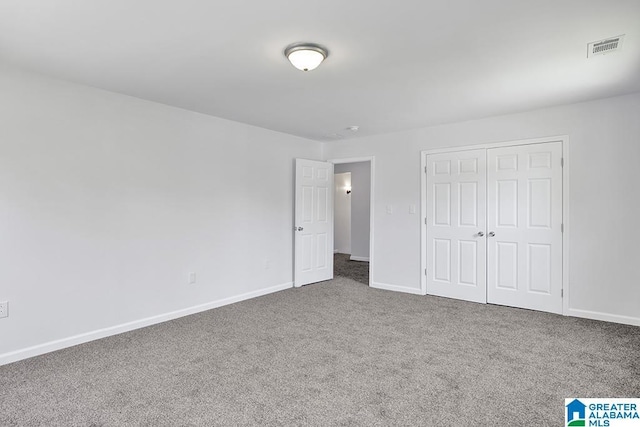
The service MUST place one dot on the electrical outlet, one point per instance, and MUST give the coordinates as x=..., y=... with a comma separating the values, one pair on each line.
x=4, y=308
x=192, y=278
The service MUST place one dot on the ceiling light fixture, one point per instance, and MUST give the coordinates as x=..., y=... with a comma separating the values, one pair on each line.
x=305, y=56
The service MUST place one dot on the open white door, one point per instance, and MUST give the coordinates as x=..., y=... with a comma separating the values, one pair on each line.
x=313, y=226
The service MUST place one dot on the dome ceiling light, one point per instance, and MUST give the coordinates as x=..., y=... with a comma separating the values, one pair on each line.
x=305, y=56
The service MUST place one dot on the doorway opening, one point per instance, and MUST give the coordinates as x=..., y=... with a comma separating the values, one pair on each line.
x=353, y=219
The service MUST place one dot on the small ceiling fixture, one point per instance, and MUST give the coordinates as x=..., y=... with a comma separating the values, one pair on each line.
x=305, y=56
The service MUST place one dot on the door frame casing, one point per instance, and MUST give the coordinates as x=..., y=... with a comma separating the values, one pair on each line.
x=564, y=139
x=372, y=160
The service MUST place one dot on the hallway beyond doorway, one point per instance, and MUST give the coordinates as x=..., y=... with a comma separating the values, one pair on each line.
x=355, y=270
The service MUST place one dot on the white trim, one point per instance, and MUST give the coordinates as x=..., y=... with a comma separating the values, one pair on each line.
x=564, y=139
x=566, y=284
x=396, y=288
x=50, y=346
x=423, y=222
x=605, y=317
x=359, y=258
x=371, y=159
x=351, y=160
x=335, y=251
x=557, y=138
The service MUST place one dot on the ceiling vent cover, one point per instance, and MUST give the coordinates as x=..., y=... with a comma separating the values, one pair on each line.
x=603, y=47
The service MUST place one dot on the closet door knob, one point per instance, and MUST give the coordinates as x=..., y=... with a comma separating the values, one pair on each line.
x=480, y=233
x=491, y=234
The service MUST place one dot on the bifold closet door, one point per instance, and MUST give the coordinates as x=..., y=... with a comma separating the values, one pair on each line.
x=456, y=219
x=524, y=219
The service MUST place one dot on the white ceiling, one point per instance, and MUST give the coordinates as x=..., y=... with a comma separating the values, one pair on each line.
x=393, y=65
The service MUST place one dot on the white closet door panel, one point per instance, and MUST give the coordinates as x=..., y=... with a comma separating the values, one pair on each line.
x=524, y=193
x=456, y=219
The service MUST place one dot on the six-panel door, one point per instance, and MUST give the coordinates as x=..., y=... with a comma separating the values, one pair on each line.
x=313, y=226
x=524, y=222
x=513, y=256
x=456, y=248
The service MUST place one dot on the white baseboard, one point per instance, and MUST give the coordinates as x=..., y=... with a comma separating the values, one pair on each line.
x=359, y=258
x=396, y=288
x=335, y=251
x=50, y=346
x=606, y=317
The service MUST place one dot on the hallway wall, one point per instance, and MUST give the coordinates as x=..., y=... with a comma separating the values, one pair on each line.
x=342, y=214
x=360, y=207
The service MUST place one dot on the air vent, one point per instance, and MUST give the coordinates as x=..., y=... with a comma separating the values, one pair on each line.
x=603, y=47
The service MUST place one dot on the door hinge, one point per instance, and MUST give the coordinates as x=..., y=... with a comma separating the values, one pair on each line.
x=425, y=271
x=562, y=228
x=561, y=293
x=425, y=169
x=561, y=162
x=425, y=220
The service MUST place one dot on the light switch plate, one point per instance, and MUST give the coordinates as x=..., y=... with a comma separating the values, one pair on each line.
x=4, y=309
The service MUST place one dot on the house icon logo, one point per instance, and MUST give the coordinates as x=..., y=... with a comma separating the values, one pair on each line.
x=576, y=413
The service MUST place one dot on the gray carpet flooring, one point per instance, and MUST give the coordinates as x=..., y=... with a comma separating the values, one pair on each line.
x=330, y=354
x=354, y=270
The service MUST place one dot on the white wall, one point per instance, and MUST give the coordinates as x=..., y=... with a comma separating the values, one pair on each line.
x=360, y=207
x=107, y=202
x=604, y=198
x=342, y=213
